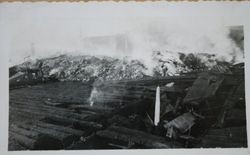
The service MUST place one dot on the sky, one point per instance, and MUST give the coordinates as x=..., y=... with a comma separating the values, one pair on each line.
x=117, y=29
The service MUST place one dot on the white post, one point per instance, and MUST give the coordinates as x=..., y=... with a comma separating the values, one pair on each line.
x=157, y=106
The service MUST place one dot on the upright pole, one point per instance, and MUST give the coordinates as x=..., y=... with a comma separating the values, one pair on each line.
x=157, y=106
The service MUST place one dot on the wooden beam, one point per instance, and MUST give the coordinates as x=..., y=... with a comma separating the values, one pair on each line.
x=135, y=136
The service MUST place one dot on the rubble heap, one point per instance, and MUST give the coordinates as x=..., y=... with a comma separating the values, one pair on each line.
x=199, y=109
x=87, y=68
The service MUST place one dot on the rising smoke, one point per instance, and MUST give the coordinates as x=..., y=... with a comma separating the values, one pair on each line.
x=225, y=42
x=139, y=42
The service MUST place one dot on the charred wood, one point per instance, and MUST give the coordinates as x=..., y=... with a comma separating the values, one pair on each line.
x=135, y=136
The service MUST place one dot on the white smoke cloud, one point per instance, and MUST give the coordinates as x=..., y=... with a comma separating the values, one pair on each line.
x=139, y=43
x=185, y=39
x=145, y=27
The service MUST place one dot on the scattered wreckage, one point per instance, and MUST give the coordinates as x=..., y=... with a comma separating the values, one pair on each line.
x=194, y=110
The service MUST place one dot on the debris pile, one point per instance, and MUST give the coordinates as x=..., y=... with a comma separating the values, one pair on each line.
x=213, y=101
x=199, y=109
x=86, y=68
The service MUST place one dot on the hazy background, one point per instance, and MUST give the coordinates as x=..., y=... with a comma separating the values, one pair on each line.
x=134, y=29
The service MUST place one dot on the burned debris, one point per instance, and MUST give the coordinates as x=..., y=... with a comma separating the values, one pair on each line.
x=201, y=109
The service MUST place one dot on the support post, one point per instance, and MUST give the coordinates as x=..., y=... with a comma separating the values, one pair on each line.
x=157, y=106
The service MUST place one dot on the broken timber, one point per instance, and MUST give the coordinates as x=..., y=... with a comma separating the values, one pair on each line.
x=182, y=123
x=34, y=140
x=204, y=87
x=135, y=136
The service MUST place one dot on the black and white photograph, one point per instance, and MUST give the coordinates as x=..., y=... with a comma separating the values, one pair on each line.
x=112, y=76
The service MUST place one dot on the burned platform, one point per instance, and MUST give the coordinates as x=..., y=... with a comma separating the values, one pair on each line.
x=197, y=110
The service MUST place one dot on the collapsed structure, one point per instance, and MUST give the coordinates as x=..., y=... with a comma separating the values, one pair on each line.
x=198, y=109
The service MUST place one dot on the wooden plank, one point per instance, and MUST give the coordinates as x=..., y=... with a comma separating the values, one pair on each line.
x=63, y=137
x=61, y=118
x=60, y=128
x=151, y=80
x=24, y=141
x=97, y=109
x=78, y=124
x=33, y=140
x=49, y=110
x=25, y=132
x=135, y=136
x=135, y=107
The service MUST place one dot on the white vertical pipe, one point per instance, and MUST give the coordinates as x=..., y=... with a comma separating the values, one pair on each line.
x=157, y=106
